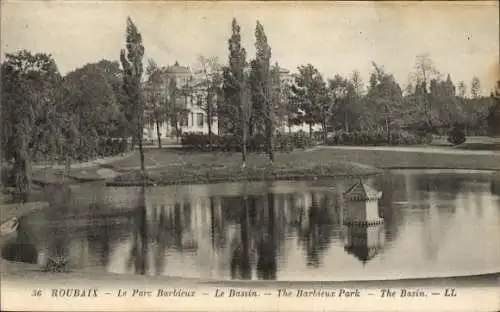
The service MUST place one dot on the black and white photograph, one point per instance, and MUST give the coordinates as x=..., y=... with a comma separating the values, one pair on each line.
x=250, y=156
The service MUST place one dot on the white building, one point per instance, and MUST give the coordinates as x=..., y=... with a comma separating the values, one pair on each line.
x=190, y=103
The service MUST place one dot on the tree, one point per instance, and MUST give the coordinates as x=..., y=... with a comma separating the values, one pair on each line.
x=236, y=86
x=261, y=84
x=461, y=90
x=92, y=97
x=209, y=87
x=385, y=97
x=131, y=59
x=30, y=95
x=156, y=96
x=493, y=118
x=425, y=71
x=337, y=93
x=355, y=94
x=309, y=94
x=475, y=88
x=357, y=83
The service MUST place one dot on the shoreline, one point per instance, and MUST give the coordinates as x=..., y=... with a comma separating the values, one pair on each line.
x=321, y=162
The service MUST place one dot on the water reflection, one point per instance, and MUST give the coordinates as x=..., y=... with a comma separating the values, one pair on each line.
x=364, y=242
x=281, y=230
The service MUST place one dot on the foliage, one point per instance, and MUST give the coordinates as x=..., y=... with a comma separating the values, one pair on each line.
x=235, y=88
x=209, y=89
x=256, y=143
x=131, y=59
x=375, y=138
x=30, y=98
x=90, y=93
x=309, y=93
x=456, y=135
x=59, y=264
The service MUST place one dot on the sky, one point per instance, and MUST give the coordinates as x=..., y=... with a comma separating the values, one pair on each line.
x=462, y=38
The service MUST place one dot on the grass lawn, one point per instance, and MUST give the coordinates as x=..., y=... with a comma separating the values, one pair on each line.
x=183, y=167
x=386, y=159
x=170, y=166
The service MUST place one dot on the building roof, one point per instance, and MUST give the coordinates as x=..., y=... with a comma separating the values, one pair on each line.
x=361, y=191
x=177, y=69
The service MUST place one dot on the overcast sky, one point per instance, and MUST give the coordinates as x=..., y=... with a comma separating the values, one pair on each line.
x=461, y=38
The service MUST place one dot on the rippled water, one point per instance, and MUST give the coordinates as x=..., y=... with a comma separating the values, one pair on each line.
x=435, y=223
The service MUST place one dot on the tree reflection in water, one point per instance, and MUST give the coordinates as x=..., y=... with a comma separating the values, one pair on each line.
x=240, y=259
x=140, y=243
x=267, y=246
x=316, y=231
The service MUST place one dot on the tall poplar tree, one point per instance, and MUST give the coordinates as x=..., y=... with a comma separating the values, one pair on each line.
x=261, y=85
x=131, y=59
x=235, y=85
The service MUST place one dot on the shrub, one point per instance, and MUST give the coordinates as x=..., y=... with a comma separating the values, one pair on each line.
x=194, y=140
x=456, y=136
x=301, y=140
x=375, y=138
x=56, y=265
x=283, y=142
x=257, y=143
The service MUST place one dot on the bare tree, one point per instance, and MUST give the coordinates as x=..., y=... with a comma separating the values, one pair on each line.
x=208, y=89
x=475, y=88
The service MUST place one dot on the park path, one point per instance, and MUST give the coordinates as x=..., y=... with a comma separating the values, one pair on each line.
x=413, y=149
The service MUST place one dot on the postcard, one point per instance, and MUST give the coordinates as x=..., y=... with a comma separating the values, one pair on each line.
x=250, y=156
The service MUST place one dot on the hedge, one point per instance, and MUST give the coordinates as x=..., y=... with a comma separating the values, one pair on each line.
x=256, y=143
x=377, y=138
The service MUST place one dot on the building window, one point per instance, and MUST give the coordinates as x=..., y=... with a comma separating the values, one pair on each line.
x=200, y=118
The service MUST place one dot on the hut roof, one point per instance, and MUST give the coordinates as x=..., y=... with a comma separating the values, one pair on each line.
x=361, y=191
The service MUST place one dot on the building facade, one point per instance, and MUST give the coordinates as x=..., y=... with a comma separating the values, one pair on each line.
x=188, y=104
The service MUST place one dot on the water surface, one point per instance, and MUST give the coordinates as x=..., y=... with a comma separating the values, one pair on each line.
x=435, y=223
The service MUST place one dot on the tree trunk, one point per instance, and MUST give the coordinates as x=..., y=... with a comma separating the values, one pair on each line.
x=289, y=127
x=209, y=122
x=244, y=146
x=346, y=122
x=158, y=134
x=387, y=128
x=177, y=130
x=270, y=132
x=22, y=174
x=325, y=133
x=140, y=133
x=243, y=135
x=310, y=131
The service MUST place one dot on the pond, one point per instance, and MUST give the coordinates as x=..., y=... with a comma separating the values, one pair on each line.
x=436, y=223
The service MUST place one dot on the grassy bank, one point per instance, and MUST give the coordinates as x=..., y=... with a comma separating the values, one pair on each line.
x=169, y=166
x=187, y=167
x=387, y=159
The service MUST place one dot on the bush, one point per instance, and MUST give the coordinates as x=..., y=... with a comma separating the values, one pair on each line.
x=257, y=143
x=194, y=140
x=57, y=264
x=376, y=138
x=456, y=136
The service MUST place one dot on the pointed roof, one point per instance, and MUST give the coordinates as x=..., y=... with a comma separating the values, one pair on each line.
x=361, y=191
